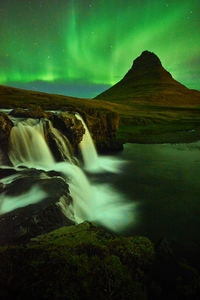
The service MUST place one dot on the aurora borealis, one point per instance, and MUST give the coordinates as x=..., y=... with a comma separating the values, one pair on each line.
x=79, y=47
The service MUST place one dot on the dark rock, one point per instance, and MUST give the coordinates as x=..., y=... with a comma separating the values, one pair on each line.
x=70, y=126
x=58, y=143
x=35, y=113
x=5, y=127
x=103, y=128
x=171, y=276
x=7, y=172
x=23, y=223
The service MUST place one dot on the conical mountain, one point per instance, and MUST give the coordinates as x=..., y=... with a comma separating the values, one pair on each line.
x=148, y=81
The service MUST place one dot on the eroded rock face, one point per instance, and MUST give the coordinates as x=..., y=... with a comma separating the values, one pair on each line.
x=29, y=220
x=70, y=126
x=5, y=127
x=103, y=128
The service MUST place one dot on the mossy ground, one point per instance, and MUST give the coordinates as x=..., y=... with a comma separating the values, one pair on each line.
x=77, y=262
x=87, y=262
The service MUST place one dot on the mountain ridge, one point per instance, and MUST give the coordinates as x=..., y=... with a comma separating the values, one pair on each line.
x=149, y=81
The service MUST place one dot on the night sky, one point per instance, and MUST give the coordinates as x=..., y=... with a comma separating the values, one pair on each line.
x=81, y=47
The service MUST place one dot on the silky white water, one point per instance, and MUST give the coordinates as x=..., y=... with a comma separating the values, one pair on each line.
x=33, y=196
x=96, y=202
x=91, y=201
x=28, y=145
x=88, y=150
x=92, y=161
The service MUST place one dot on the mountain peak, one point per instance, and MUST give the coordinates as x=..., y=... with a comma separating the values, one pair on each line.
x=147, y=58
x=148, y=80
x=148, y=66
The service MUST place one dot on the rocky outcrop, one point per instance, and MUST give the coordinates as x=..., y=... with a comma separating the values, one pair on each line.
x=102, y=125
x=70, y=126
x=5, y=128
x=103, y=128
x=32, y=217
x=35, y=113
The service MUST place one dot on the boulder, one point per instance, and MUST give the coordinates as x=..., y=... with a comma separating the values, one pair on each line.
x=70, y=126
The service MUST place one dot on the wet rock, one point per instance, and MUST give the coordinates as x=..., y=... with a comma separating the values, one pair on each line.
x=70, y=126
x=32, y=216
x=59, y=144
x=5, y=127
x=103, y=128
x=102, y=125
x=7, y=172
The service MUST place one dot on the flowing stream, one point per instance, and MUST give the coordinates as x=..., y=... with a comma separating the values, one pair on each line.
x=92, y=201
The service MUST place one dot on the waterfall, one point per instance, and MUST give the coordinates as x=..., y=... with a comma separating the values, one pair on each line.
x=95, y=202
x=28, y=145
x=92, y=161
x=62, y=143
x=88, y=150
x=91, y=201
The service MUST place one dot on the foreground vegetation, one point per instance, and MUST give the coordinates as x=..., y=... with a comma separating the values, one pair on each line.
x=87, y=262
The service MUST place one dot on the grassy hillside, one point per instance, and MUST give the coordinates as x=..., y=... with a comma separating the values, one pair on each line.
x=139, y=121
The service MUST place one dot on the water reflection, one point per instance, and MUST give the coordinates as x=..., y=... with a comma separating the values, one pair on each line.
x=164, y=180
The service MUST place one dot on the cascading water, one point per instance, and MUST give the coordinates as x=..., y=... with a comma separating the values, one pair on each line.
x=93, y=202
x=92, y=161
x=28, y=145
x=88, y=150
x=62, y=142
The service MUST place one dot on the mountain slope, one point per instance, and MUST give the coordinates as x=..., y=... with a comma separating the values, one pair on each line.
x=148, y=82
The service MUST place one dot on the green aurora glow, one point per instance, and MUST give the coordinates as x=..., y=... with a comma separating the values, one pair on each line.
x=96, y=41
